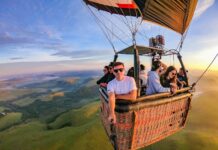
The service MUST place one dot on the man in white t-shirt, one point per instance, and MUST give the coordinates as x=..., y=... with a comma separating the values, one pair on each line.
x=122, y=87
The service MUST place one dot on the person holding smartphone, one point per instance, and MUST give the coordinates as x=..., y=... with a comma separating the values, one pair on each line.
x=121, y=87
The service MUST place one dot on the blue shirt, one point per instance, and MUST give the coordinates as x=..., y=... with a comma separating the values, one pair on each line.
x=153, y=84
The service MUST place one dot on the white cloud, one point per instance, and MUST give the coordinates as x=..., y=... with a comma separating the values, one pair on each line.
x=202, y=6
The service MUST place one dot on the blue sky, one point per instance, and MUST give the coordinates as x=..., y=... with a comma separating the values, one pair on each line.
x=59, y=35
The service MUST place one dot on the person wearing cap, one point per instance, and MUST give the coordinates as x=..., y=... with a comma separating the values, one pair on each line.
x=122, y=87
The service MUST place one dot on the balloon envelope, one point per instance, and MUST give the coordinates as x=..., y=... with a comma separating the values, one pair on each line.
x=173, y=14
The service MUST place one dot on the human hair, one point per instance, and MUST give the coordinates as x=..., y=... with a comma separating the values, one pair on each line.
x=183, y=70
x=142, y=67
x=111, y=64
x=117, y=64
x=106, y=67
x=155, y=65
x=169, y=69
x=166, y=74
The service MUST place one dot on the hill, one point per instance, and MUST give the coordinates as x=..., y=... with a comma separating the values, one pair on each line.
x=34, y=135
x=68, y=123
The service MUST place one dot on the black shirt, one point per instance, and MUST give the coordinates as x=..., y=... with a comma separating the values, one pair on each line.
x=106, y=78
x=181, y=78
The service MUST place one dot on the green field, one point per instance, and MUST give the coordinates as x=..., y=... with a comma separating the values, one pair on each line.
x=24, y=101
x=35, y=135
x=75, y=117
x=9, y=120
x=79, y=128
x=2, y=108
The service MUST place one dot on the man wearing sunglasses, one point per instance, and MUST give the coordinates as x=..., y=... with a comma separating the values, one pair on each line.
x=122, y=87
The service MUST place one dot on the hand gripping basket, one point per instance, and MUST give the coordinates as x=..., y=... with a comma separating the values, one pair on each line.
x=147, y=120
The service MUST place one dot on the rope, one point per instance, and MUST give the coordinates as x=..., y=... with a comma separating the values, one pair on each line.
x=104, y=32
x=115, y=25
x=133, y=27
x=179, y=47
x=183, y=37
x=184, y=21
x=204, y=71
x=127, y=21
x=98, y=21
x=118, y=17
x=143, y=35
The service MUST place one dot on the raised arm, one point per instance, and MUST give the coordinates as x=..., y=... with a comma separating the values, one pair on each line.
x=164, y=68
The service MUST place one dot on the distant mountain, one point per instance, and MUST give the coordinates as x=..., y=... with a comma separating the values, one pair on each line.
x=44, y=96
x=66, y=117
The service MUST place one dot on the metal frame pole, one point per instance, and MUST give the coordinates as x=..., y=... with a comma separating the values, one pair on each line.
x=183, y=68
x=136, y=67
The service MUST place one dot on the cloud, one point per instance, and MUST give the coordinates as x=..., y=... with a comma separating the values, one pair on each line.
x=40, y=36
x=7, y=38
x=40, y=67
x=202, y=6
x=83, y=54
x=16, y=58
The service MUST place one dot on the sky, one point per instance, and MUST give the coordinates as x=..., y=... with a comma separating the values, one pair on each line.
x=62, y=35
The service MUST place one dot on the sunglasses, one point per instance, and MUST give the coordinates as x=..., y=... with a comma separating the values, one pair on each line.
x=104, y=70
x=118, y=70
x=173, y=74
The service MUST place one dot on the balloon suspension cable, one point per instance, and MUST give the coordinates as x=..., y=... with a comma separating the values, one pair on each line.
x=104, y=32
x=120, y=18
x=185, y=32
x=125, y=22
x=183, y=37
x=120, y=29
x=204, y=71
x=140, y=22
x=128, y=22
x=100, y=24
x=143, y=35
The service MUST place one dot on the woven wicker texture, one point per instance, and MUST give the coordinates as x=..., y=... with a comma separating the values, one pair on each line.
x=140, y=128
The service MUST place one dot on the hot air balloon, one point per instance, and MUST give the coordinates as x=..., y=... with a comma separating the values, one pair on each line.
x=150, y=118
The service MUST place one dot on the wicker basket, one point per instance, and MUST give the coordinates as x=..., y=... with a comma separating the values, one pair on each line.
x=147, y=120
